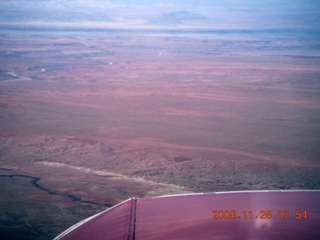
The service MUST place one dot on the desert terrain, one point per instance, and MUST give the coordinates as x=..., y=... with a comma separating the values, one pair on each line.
x=89, y=119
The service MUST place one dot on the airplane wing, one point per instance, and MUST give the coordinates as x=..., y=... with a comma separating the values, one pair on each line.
x=221, y=215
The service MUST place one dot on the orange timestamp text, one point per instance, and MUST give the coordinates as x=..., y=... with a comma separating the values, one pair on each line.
x=260, y=214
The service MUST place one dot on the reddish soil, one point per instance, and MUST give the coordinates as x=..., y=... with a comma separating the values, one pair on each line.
x=89, y=121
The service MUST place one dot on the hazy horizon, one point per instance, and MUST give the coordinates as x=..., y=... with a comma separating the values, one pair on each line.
x=232, y=14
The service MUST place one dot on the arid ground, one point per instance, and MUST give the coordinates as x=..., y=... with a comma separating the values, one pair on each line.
x=88, y=120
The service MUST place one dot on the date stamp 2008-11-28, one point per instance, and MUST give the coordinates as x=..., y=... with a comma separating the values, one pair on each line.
x=260, y=214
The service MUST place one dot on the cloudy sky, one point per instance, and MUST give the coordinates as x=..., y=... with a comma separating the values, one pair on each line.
x=212, y=14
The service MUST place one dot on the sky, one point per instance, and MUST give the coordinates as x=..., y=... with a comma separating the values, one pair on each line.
x=206, y=14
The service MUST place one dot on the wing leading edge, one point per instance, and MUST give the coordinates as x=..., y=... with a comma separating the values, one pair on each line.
x=228, y=215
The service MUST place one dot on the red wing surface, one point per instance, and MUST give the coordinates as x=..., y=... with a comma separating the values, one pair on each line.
x=228, y=215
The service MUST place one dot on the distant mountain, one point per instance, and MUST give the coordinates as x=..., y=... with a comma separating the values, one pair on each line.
x=184, y=15
x=227, y=14
x=176, y=18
